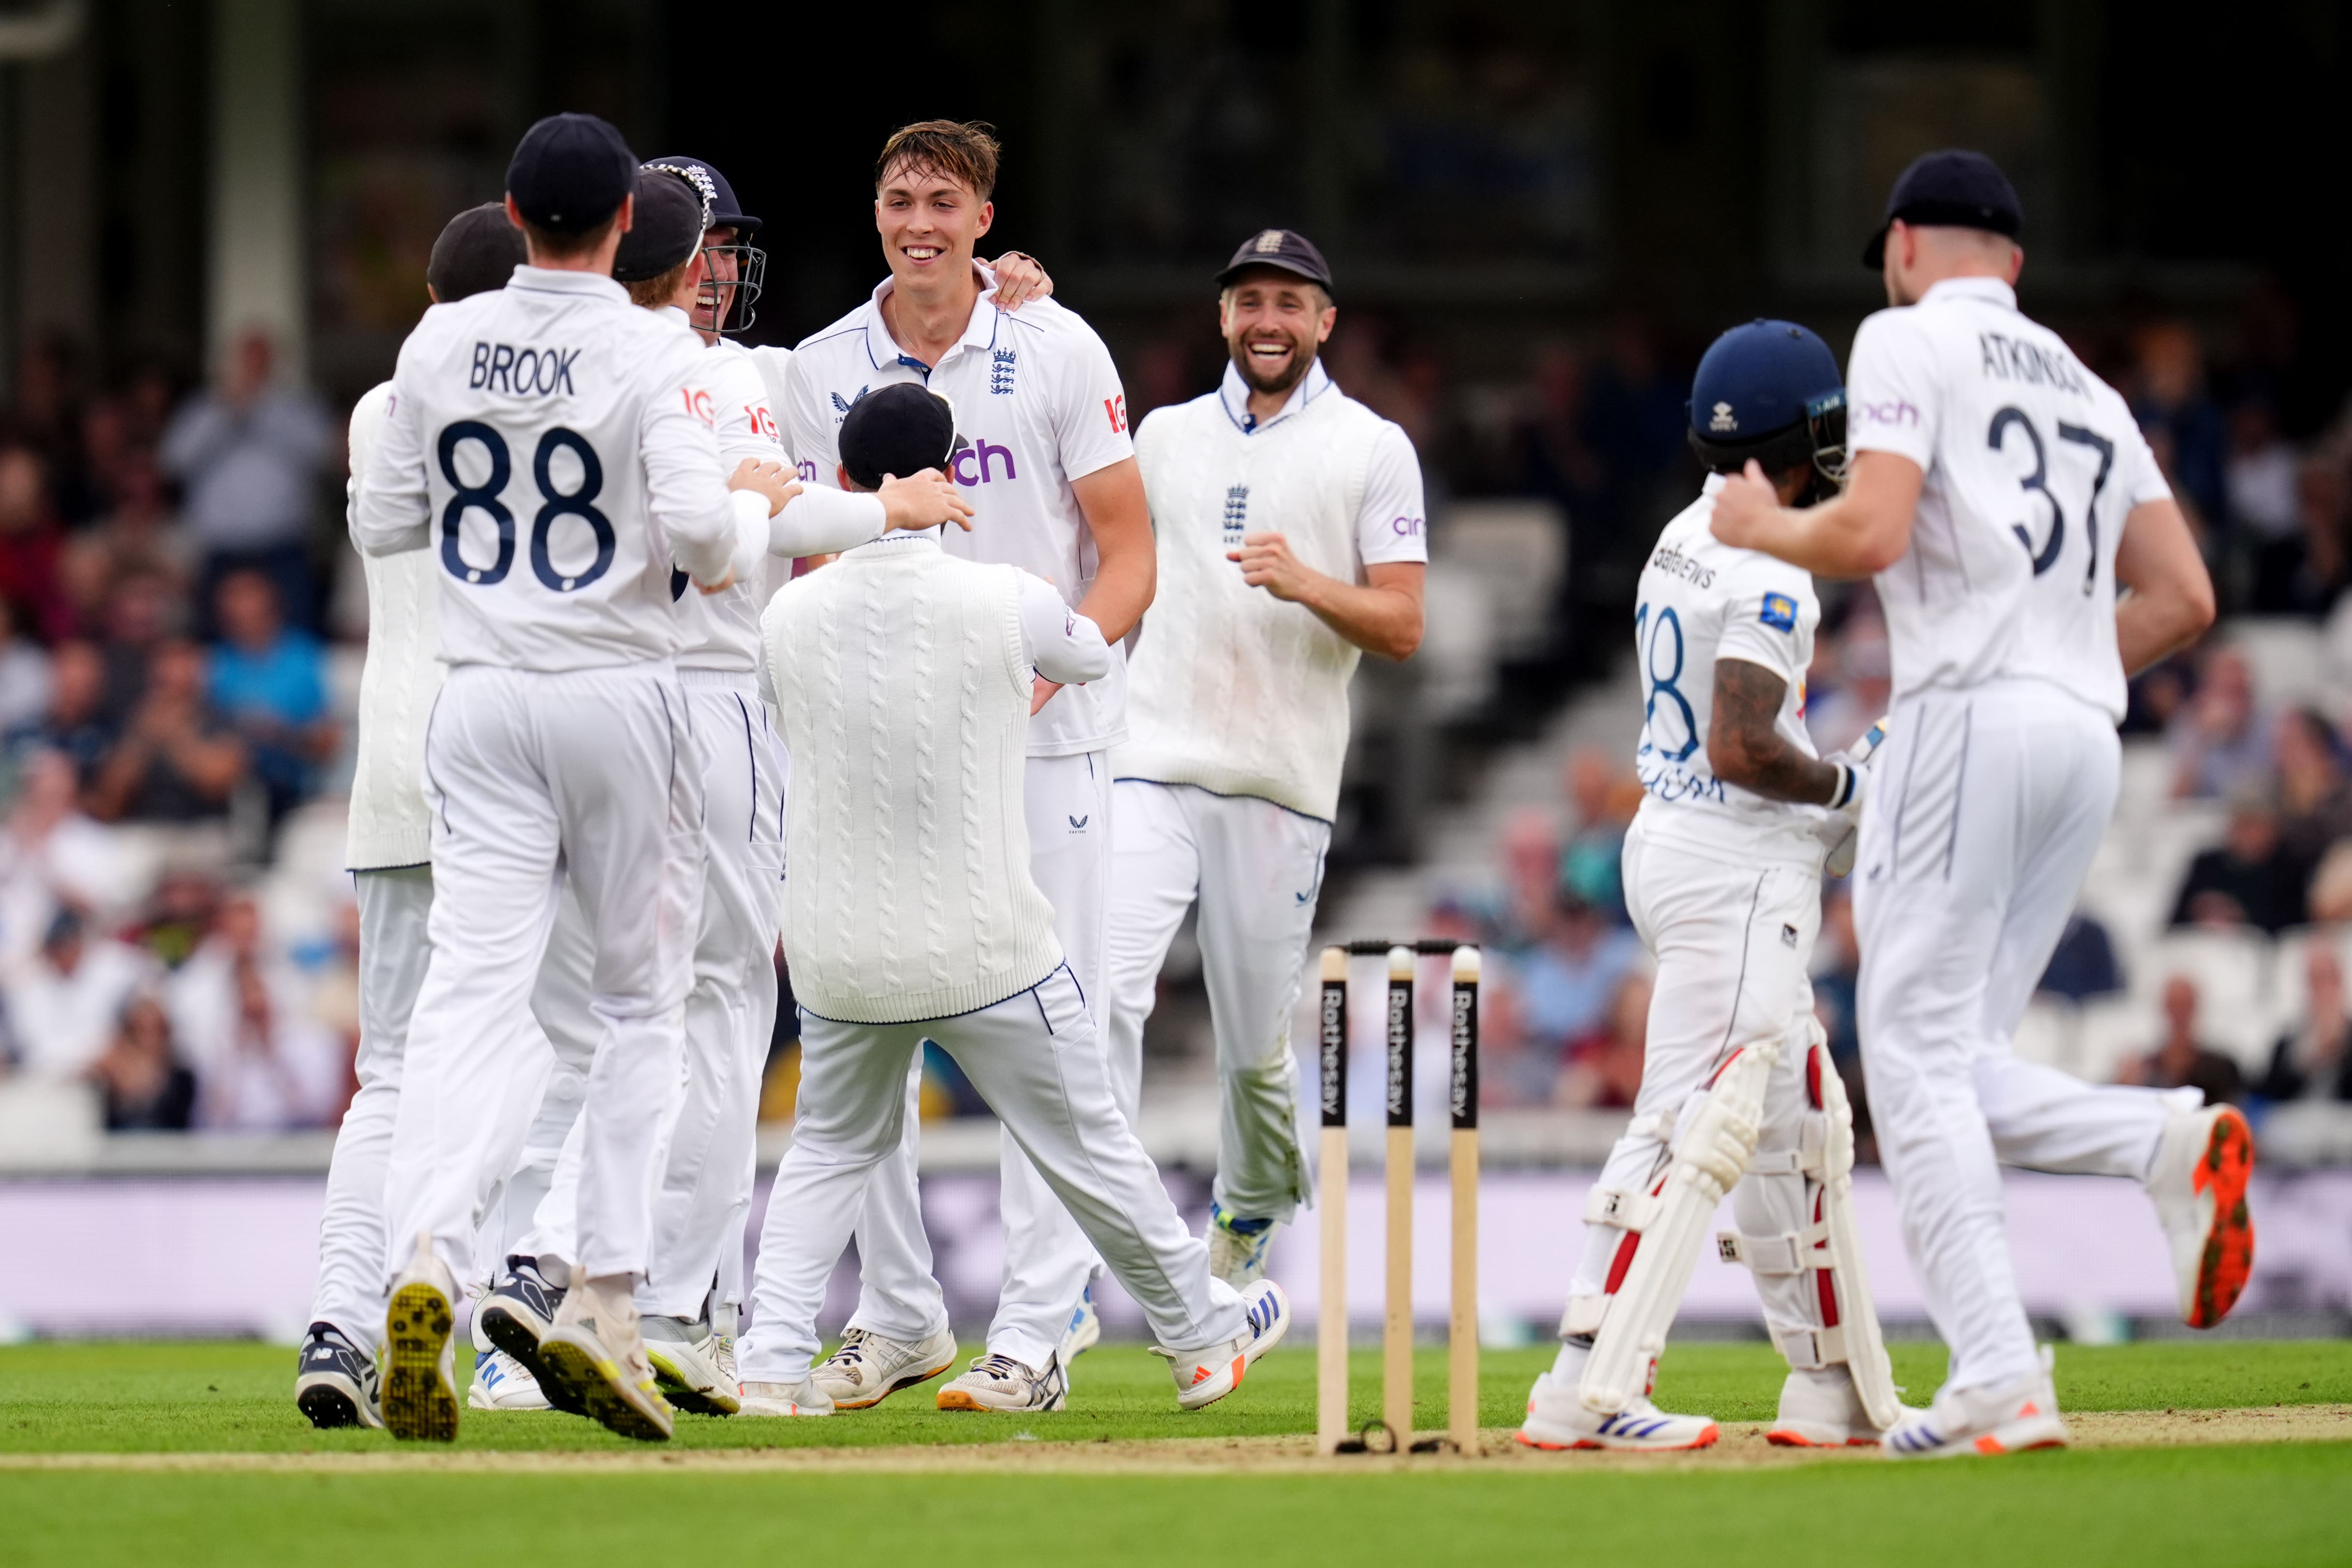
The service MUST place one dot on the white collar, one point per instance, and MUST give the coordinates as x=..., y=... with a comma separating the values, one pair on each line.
x=979, y=332
x=557, y=280
x=1992, y=289
x=907, y=539
x=1234, y=393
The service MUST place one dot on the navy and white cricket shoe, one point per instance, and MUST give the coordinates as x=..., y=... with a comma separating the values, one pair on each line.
x=517, y=1315
x=1238, y=1247
x=2017, y=1415
x=502, y=1383
x=1558, y=1418
x=335, y=1380
x=1204, y=1377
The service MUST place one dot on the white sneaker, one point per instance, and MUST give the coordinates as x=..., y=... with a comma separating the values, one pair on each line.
x=869, y=1368
x=2021, y=1415
x=999, y=1383
x=502, y=1383
x=420, y=1365
x=2199, y=1185
x=1238, y=1247
x=1204, y=1377
x=596, y=1355
x=1558, y=1418
x=1820, y=1409
x=1085, y=1329
x=516, y=1315
x=802, y=1398
x=690, y=1365
x=335, y=1380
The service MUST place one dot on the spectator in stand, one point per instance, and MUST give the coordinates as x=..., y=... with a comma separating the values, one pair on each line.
x=2170, y=401
x=1530, y=851
x=240, y=1011
x=2181, y=1062
x=2266, y=512
x=1590, y=862
x=139, y=537
x=141, y=611
x=2315, y=797
x=177, y=760
x=147, y=1087
x=1566, y=986
x=29, y=543
x=2313, y=1061
x=249, y=455
x=2221, y=742
x=2320, y=577
x=1603, y=1069
x=52, y=857
x=1861, y=683
x=271, y=681
x=75, y=724
x=24, y=675
x=64, y=999
x=2250, y=880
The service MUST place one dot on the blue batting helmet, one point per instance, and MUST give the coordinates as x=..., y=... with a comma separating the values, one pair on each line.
x=1770, y=391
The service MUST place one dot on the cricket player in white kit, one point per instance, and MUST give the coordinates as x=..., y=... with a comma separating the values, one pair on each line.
x=551, y=443
x=2003, y=499
x=1289, y=523
x=904, y=679
x=1723, y=877
x=1050, y=473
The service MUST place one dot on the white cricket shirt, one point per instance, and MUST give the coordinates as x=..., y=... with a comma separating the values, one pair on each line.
x=2032, y=464
x=554, y=446
x=1701, y=601
x=390, y=824
x=1039, y=403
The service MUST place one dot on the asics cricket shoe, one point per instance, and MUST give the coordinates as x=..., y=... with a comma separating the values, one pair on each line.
x=1238, y=1247
x=335, y=1380
x=806, y=1397
x=1084, y=1331
x=2203, y=1159
x=2019, y=1414
x=1204, y=1377
x=1559, y=1418
x=693, y=1366
x=516, y=1314
x=869, y=1368
x=502, y=1383
x=1000, y=1383
x=595, y=1354
x=420, y=1377
x=1820, y=1409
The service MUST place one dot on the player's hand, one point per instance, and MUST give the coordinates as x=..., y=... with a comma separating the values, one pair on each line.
x=1267, y=562
x=773, y=480
x=922, y=500
x=1743, y=507
x=1040, y=694
x=1019, y=278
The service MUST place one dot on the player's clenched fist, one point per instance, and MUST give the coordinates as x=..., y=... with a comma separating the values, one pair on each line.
x=922, y=500
x=1267, y=562
x=772, y=480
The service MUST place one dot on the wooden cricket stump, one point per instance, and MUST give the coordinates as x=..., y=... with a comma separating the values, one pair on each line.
x=1331, y=1433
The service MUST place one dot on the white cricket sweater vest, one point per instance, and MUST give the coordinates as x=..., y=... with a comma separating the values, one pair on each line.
x=390, y=822
x=1231, y=688
x=903, y=685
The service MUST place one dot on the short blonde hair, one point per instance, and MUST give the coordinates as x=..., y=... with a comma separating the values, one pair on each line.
x=654, y=291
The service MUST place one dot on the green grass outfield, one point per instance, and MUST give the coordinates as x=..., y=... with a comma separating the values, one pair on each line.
x=2277, y=1503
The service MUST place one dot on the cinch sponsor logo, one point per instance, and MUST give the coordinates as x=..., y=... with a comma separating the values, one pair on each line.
x=1405, y=527
x=807, y=472
x=977, y=464
x=1897, y=412
x=521, y=373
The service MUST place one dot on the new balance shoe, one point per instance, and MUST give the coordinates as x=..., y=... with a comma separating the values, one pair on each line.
x=502, y=1383
x=999, y=1383
x=1820, y=1409
x=335, y=1380
x=420, y=1375
x=2021, y=1414
x=1238, y=1247
x=1085, y=1329
x=869, y=1368
x=1204, y=1377
x=595, y=1354
x=1558, y=1418
x=802, y=1398
x=2203, y=1159
x=692, y=1365
x=516, y=1314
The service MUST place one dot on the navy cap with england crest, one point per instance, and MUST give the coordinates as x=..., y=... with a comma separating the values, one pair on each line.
x=1286, y=250
x=570, y=172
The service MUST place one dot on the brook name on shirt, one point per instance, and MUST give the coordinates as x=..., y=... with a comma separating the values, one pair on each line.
x=522, y=371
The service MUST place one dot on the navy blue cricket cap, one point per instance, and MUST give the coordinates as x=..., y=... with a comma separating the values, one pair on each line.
x=1283, y=248
x=899, y=429
x=725, y=211
x=570, y=172
x=478, y=251
x=1953, y=188
x=672, y=212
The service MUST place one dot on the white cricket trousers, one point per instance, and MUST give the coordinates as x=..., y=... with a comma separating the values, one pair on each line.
x=1034, y=1058
x=1985, y=810
x=704, y=1196
x=1256, y=869
x=591, y=774
x=1733, y=942
x=1067, y=804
